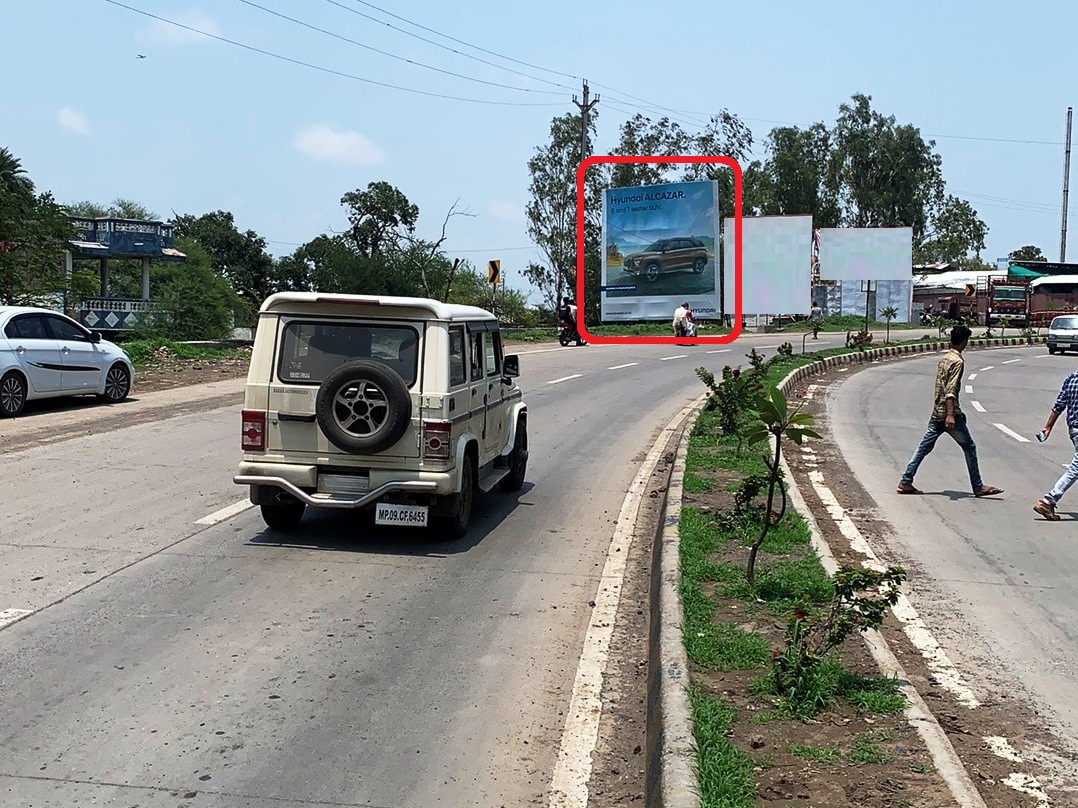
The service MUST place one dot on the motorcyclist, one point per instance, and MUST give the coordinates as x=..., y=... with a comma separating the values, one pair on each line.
x=567, y=314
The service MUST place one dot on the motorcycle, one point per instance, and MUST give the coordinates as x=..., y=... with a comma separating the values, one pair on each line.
x=567, y=334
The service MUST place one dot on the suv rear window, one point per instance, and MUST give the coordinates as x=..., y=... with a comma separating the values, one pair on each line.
x=311, y=351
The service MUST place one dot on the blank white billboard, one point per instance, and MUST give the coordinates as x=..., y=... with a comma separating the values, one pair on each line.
x=776, y=264
x=866, y=253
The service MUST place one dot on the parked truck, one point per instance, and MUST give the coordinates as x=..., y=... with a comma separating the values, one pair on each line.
x=1008, y=300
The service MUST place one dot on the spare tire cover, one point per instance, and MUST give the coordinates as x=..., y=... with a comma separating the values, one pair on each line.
x=363, y=407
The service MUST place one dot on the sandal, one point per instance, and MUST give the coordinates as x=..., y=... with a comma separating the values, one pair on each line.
x=988, y=491
x=908, y=489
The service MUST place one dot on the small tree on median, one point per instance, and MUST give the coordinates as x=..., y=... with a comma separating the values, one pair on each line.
x=773, y=418
x=888, y=314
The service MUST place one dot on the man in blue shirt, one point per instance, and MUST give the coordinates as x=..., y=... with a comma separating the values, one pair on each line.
x=1066, y=400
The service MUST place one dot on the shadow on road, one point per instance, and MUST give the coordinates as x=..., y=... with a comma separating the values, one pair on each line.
x=347, y=531
x=957, y=495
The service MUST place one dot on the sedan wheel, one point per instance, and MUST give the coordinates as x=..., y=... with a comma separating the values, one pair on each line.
x=117, y=384
x=12, y=395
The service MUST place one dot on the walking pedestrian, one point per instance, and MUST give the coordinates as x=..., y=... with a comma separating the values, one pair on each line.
x=947, y=417
x=816, y=320
x=1066, y=400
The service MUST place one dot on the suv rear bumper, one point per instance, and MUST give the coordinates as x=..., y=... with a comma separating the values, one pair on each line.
x=272, y=475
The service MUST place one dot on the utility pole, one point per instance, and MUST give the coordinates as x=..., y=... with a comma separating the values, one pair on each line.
x=584, y=108
x=1066, y=188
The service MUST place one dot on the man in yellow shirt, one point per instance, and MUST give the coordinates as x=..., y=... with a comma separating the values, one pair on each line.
x=947, y=416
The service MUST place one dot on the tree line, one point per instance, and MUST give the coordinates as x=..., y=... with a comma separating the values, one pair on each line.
x=229, y=272
x=865, y=169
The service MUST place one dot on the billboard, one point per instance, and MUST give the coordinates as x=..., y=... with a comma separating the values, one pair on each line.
x=866, y=253
x=660, y=249
x=776, y=264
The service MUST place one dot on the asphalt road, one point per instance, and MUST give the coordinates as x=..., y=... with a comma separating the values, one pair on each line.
x=993, y=580
x=176, y=652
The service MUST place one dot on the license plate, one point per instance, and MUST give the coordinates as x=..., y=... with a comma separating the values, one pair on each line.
x=403, y=515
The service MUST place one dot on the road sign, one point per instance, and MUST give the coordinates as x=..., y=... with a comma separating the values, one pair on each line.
x=971, y=290
x=494, y=272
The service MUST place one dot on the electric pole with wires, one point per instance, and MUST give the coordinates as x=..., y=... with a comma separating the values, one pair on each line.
x=584, y=108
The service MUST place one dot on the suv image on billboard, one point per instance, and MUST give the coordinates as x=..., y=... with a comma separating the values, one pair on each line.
x=667, y=255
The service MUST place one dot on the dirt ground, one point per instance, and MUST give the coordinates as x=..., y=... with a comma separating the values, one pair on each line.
x=171, y=373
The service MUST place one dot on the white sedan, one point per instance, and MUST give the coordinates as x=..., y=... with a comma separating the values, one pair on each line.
x=44, y=354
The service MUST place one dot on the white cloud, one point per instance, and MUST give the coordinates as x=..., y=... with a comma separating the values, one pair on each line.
x=329, y=145
x=168, y=34
x=72, y=120
x=507, y=211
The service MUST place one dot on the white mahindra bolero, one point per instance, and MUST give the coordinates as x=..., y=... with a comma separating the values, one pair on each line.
x=403, y=405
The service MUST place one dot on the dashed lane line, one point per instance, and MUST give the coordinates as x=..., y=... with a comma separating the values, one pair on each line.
x=565, y=378
x=679, y=356
x=1011, y=361
x=1008, y=431
x=626, y=365
x=9, y=616
x=987, y=368
x=972, y=376
x=977, y=406
x=723, y=350
x=225, y=513
x=969, y=389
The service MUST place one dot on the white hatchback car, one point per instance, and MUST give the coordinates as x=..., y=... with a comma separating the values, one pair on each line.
x=406, y=406
x=44, y=354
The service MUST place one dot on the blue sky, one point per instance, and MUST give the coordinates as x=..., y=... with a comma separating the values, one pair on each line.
x=201, y=125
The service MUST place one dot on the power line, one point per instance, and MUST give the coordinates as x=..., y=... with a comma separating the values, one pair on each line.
x=393, y=55
x=351, y=10
x=330, y=70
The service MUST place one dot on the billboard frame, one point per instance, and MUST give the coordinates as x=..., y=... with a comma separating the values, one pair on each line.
x=736, y=319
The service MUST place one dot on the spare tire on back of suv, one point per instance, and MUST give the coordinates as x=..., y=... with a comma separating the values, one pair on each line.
x=363, y=407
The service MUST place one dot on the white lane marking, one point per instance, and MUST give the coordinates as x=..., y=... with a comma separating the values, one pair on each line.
x=1007, y=431
x=225, y=513
x=627, y=365
x=1045, y=356
x=724, y=350
x=987, y=368
x=977, y=406
x=566, y=378
x=1011, y=361
x=766, y=347
x=679, y=356
x=9, y=616
x=969, y=388
x=572, y=771
x=972, y=376
x=935, y=657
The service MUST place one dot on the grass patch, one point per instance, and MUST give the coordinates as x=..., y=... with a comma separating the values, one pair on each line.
x=723, y=771
x=814, y=754
x=147, y=352
x=873, y=694
x=719, y=646
x=695, y=484
x=866, y=749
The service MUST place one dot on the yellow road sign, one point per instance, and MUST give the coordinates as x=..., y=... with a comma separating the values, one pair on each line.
x=494, y=272
x=971, y=290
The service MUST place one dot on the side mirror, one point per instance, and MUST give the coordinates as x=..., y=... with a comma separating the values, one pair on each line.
x=511, y=366
x=95, y=337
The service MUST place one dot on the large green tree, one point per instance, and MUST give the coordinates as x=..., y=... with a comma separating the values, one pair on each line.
x=379, y=217
x=239, y=257
x=1030, y=252
x=883, y=173
x=552, y=209
x=792, y=179
x=34, y=231
x=954, y=232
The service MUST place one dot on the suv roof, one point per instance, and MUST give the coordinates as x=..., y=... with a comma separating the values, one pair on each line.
x=303, y=301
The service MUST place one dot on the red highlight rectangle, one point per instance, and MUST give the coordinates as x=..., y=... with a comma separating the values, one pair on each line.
x=735, y=332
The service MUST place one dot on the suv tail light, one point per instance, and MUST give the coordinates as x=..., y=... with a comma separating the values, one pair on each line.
x=436, y=439
x=254, y=430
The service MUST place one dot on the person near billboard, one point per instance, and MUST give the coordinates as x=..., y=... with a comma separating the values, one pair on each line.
x=1067, y=399
x=681, y=319
x=947, y=417
x=816, y=319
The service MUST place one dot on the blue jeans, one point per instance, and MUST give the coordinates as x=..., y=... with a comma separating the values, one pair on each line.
x=1069, y=476
x=961, y=435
